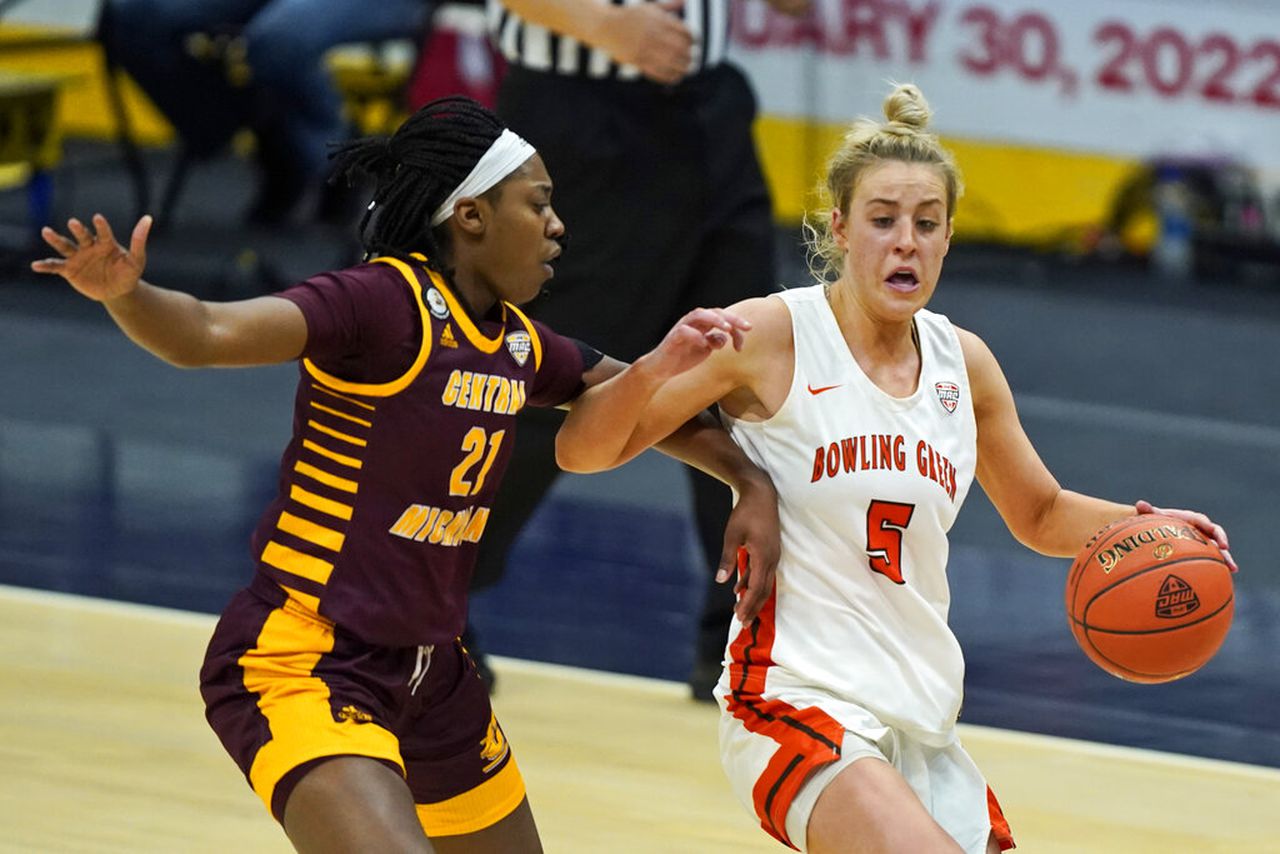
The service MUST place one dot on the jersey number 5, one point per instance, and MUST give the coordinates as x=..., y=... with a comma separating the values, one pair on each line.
x=886, y=523
x=474, y=443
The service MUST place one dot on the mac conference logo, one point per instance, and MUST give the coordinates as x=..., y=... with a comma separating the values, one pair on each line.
x=519, y=344
x=948, y=395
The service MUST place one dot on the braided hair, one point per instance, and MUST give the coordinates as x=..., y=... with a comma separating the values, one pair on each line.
x=414, y=171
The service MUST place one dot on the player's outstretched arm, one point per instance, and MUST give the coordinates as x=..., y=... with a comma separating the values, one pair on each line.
x=628, y=414
x=174, y=326
x=614, y=420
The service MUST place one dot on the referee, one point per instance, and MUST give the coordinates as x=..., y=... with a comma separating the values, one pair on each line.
x=647, y=130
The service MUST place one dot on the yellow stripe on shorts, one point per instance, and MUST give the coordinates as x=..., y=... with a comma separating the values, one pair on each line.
x=296, y=703
x=483, y=806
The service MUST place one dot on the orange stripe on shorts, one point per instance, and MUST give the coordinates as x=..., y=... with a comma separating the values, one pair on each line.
x=807, y=738
x=999, y=824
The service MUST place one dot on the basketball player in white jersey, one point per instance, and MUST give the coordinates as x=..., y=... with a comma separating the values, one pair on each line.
x=872, y=415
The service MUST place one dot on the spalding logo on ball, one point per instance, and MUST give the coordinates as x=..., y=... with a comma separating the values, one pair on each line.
x=1150, y=598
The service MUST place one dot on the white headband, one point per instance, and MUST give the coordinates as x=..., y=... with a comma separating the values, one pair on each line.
x=503, y=157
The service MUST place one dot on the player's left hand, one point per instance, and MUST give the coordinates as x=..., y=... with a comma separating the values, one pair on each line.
x=1207, y=526
x=92, y=261
x=752, y=545
x=695, y=337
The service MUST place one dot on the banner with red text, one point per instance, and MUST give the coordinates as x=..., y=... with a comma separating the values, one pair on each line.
x=1130, y=78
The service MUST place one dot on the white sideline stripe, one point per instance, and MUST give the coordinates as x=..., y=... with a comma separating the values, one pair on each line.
x=1180, y=426
x=644, y=684
x=664, y=688
x=90, y=604
x=1099, y=750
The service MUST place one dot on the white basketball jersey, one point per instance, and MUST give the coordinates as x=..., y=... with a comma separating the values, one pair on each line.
x=869, y=484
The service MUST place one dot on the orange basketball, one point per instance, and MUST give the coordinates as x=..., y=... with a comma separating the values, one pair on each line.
x=1150, y=598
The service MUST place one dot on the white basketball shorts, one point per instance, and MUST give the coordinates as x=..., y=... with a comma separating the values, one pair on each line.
x=759, y=760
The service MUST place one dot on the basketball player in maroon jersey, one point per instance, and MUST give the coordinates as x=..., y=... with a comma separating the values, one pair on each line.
x=336, y=679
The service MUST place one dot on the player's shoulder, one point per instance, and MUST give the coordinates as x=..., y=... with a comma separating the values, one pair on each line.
x=985, y=375
x=765, y=311
x=974, y=349
x=356, y=278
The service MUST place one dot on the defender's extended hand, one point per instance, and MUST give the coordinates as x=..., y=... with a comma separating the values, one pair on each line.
x=92, y=261
x=752, y=545
x=694, y=337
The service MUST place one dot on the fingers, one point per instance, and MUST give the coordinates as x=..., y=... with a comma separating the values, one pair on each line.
x=755, y=584
x=103, y=228
x=748, y=593
x=1206, y=525
x=1219, y=535
x=138, y=240
x=667, y=76
x=83, y=237
x=48, y=265
x=81, y=233
x=730, y=557
x=718, y=326
x=662, y=43
x=60, y=244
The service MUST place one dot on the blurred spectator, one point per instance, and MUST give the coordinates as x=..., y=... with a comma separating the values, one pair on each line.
x=216, y=66
x=456, y=57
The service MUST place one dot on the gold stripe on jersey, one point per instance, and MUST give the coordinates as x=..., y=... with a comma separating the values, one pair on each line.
x=484, y=345
x=306, y=600
x=350, y=400
x=477, y=339
x=315, y=447
x=533, y=335
x=481, y=807
x=319, y=502
x=424, y=348
x=340, y=414
x=303, y=529
x=337, y=434
x=297, y=563
x=296, y=703
x=322, y=476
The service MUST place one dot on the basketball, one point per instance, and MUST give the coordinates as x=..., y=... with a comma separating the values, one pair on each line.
x=1150, y=598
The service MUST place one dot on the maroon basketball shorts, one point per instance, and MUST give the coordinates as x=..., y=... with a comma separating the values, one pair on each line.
x=285, y=690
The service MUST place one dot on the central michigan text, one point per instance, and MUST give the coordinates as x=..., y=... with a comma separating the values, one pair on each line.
x=422, y=522
x=483, y=392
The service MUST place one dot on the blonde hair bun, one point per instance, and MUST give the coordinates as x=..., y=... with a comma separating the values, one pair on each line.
x=906, y=107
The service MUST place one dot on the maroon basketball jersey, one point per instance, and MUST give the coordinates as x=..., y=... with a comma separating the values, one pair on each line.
x=386, y=485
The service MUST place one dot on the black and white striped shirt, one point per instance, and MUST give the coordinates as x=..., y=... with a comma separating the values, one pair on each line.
x=535, y=47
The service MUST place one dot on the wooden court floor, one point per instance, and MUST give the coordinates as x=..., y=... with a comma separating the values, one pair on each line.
x=103, y=748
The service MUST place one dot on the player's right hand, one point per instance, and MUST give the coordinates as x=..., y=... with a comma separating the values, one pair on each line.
x=92, y=261
x=1207, y=526
x=650, y=37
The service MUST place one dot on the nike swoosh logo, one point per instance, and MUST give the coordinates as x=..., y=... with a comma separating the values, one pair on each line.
x=821, y=389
